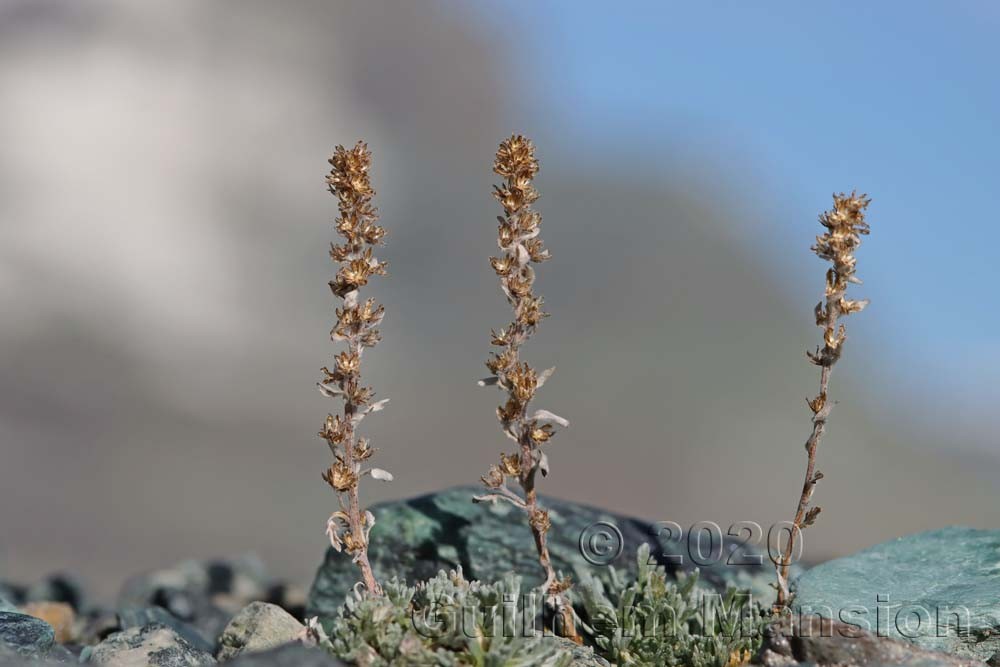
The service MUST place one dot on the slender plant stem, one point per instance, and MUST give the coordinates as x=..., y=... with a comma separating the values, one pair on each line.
x=354, y=503
x=812, y=444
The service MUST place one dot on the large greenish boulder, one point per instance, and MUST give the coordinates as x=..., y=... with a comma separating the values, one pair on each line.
x=939, y=590
x=417, y=538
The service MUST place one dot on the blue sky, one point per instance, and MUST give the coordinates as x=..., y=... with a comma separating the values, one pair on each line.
x=790, y=101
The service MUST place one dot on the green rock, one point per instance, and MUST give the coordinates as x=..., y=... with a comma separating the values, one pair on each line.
x=417, y=538
x=912, y=587
x=812, y=640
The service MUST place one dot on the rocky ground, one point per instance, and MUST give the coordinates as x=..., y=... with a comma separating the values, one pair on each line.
x=231, y=611
x=196, y=613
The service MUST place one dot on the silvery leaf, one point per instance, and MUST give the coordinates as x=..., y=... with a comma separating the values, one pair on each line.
x=369, y=523
x=333, y=526
x=329, y=392
x=546, y=416
x=521, y=254
x=377, y=406
x=545, y=375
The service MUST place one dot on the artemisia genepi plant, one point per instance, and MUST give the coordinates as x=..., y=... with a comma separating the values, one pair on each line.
x=521, y=248
x=845, y=225
x=349, y=527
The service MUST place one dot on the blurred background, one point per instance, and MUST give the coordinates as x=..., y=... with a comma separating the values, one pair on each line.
x=163, y=262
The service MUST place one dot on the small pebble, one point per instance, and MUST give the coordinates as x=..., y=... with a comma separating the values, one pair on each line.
x=59, y=615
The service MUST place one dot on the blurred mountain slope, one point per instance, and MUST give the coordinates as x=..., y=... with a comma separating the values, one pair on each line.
x=162, y=279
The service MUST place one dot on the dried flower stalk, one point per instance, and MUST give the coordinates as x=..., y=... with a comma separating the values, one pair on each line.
x=518, y=238
x=349, y=527
x=845, y=225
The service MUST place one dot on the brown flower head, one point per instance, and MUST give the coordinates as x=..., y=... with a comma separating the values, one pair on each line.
x=540, y=520
x=500, y=361
x=529, y=311
x=500, y=338
x=515, y=159
x=333, y=429
x=350, y=171
x=508, y=412
x=348, y=363
x=540, y=434
x=494, y=478
x=510, y=464
x=340, y=477
x=523, y=381
x=363, y=450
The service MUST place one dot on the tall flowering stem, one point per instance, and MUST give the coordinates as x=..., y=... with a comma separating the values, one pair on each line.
x=845, y=225
x=349, y=527
x=521, y=248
